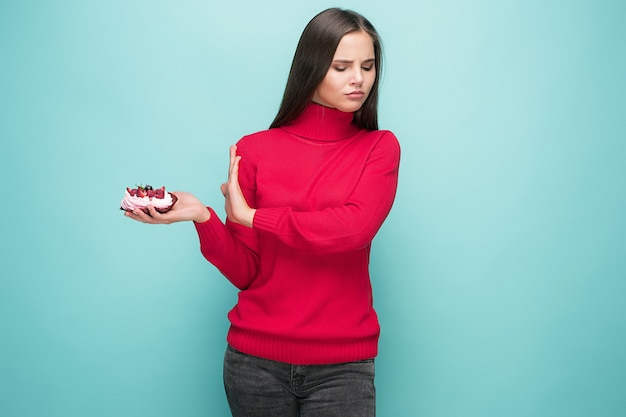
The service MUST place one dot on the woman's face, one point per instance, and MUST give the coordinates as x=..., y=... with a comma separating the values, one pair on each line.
x=351, y=74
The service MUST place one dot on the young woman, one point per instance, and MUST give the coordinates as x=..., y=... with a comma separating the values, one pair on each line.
x=304, y=200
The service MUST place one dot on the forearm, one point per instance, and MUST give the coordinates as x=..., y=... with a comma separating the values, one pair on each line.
x=339, y=229
x=230, y=249
x=350, y=223
x=244, y=217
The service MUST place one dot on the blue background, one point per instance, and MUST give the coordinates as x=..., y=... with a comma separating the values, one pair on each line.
x=499, y=276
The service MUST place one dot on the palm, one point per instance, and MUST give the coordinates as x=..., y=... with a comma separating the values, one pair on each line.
x=237, y=209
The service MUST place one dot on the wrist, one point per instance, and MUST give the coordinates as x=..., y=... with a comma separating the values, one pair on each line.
x=203, y=215
x=250, y=220
x=246, y=219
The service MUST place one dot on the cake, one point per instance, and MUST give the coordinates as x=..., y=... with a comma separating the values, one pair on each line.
x=143, y=196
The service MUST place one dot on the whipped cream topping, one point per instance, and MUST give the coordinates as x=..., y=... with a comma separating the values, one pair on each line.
x=130, y=203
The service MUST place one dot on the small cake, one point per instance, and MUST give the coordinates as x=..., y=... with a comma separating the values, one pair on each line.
x=143, y=196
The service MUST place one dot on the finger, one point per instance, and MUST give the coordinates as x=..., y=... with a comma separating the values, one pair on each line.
x=232, y=186
x=148, y=214
x=233, y=153
x=130, y=215
x=235, y=168
x=223, y=189
x=230, y=166
x=157, y=217
x=153, y=213
x=137, y=215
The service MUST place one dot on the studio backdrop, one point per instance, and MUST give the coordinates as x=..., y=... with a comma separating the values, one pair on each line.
x=499, y=276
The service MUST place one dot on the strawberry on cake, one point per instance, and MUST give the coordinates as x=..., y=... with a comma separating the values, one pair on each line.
x=144, y=196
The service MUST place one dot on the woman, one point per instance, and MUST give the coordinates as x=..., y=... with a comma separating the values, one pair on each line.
x=304, y=200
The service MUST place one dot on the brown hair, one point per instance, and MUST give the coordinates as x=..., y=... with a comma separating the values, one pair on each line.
x=314, y=56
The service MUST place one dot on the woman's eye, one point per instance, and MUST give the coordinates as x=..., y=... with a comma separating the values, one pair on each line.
x=368, y=68
x=340, y=69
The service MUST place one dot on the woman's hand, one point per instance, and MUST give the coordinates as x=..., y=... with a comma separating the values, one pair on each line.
x=187, y=208
x=237, y=209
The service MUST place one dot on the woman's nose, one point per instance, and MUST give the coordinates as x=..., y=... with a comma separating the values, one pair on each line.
x=357, y=77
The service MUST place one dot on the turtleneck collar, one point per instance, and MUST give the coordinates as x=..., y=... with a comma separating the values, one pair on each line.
x=323, y=123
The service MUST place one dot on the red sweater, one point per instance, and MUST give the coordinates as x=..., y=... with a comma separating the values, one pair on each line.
x=322, y=188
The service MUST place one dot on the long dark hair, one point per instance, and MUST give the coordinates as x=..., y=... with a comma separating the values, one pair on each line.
x=314, y=56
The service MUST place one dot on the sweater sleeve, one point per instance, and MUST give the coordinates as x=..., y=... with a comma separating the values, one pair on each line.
x=347, y=227
x=232, y=248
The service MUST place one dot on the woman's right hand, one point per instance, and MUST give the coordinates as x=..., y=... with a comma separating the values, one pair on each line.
x=187, y=208
x=237, y=209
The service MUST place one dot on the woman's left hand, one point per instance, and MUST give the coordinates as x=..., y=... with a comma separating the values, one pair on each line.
x=237, y=209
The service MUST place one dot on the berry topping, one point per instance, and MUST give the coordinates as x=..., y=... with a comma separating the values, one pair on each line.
x=146, y=191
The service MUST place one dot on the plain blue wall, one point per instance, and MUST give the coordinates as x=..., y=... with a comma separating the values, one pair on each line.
x=499, y=277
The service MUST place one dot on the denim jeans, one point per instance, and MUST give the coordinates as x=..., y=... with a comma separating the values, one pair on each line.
x=257, y=387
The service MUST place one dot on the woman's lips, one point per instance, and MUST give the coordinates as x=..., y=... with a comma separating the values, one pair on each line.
x=355, y=95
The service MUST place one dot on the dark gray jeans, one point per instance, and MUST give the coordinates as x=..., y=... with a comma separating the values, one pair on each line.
x=258, y=387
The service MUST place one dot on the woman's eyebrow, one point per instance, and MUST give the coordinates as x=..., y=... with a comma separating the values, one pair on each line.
x=350, y=61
